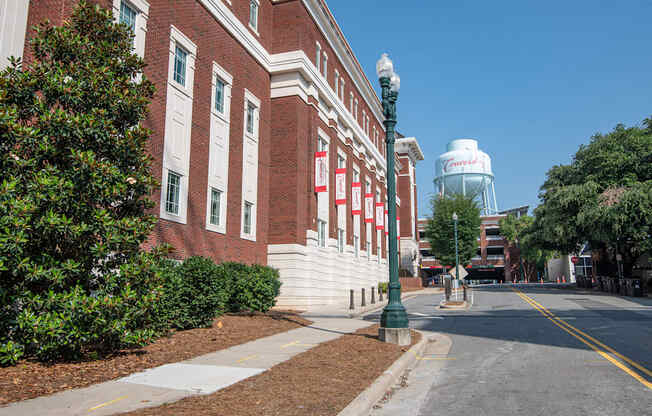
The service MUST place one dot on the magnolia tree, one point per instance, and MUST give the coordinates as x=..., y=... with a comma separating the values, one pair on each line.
x=440, y=229
x=604, y=197
x=74, y=193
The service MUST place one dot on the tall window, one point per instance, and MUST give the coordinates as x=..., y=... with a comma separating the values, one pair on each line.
x=253, y=14
x=356, y=245
x=246, y=223
x=340, y=240
x=337, y=83
x=342, y=82
x=364, y=121
x=128, y=16
x=251, y=111
x=173, y=191
x=216, y=201
x=378, y=250
x=355, y=109
x=318, y=57
x=369, y=250
x=180, y=57
x=324, y=70
x=341, y=162
x=321, y=233
x=351, y=102
x=219, y=96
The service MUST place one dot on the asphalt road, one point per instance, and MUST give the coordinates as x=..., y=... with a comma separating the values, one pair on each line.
x=538, y=352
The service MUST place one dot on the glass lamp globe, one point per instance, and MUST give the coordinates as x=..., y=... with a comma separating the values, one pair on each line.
x=454, y=216
x=395, y=83
x=384, y=67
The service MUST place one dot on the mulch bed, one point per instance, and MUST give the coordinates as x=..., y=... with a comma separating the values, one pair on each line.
x=28, y=379
x=321, y=381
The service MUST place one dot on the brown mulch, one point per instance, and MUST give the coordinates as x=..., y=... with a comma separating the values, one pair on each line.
x=28, y=379
x=321, y=381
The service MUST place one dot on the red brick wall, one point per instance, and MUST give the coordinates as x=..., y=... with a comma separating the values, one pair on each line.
x=214, y=43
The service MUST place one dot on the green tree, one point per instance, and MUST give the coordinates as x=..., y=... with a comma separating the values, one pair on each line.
x=74, y=192
x=440, y=229
x=604, y=196
x=521, y=232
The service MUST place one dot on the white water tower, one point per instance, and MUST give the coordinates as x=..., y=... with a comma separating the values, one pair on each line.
x=465, y=170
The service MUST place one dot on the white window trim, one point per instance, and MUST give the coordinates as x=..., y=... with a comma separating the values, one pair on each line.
x=336, y=82
x=219, y=72
x=182, y=169
x=342, y=84
x=355, y=111
x=142, y=14
x=176, y=37
x=250, y=98
x=318, y=57
x=254, y=28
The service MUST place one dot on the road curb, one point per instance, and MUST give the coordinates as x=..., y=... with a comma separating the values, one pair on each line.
x=365, y=401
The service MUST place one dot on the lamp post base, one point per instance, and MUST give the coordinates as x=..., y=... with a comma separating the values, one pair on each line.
x=400, y=336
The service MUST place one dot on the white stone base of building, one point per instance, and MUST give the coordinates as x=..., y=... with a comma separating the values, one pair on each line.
x=315, y=277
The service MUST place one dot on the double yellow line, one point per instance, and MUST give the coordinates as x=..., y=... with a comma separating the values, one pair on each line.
x=593, y=343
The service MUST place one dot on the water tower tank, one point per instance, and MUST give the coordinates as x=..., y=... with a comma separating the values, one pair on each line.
x=466, y=170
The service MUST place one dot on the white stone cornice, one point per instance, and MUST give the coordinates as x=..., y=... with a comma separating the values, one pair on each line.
x=294, y=74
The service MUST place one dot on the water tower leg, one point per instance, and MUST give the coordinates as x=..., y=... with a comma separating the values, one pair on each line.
x=493, y=191
x=463, y=186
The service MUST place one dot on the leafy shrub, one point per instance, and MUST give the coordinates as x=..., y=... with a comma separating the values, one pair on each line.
x=384, y=286
x=254, y=291
x=10, y=353
x=201, y=292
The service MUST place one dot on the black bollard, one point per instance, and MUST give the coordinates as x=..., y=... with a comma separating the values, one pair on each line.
x=464, y=286
x=380, y=294
x=363, y=300
x=373, y=295
x=351, y=304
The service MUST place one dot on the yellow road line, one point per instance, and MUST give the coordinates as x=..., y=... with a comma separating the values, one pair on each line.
x=290, y=344
x=242, y=360
x=107, y=403
x=606, y=347
x=615, y=362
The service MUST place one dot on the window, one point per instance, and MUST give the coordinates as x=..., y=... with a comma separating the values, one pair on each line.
x=251, y=110
x=356, y=176
x=341, y=162
x=356, y=245
x=351, y=102
x=368, y=251
x=246, y=218
x=219, y=96
x=128, y=16
x=321, y=233
x=173, y=191
x=216, y=202
x=379, y=250
x=340, y=240
x=322, y=145
x=364, y=120
x=324, y=70
x=341, y=93
x=180, y=66
x=253, y=14
x=318, y=57
x=355, y=110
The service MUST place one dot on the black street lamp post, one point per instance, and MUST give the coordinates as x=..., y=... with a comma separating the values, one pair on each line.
x=393, y=321
x=457, y=256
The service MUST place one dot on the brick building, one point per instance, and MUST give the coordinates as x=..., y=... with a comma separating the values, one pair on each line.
x=257, y=101
x=496, y=259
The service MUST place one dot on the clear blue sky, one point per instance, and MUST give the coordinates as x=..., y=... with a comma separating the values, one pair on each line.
x=530, y=80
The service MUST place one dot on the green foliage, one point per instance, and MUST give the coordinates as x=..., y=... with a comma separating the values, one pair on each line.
x=197, y=294
x=256, y=290
x=74, y=194
x=522, y=233
x=603, y=197
x=384, y=286
x=440, y=229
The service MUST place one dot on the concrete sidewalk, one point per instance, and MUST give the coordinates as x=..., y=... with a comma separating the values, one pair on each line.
x=201, y=375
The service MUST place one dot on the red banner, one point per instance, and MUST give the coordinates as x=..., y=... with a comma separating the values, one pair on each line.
x=380, y=209
x=340, y=186
x=369, y=208
x=386, y=222
x=321, y=171
x=356, y=198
